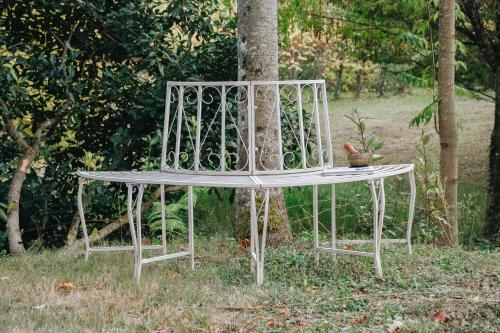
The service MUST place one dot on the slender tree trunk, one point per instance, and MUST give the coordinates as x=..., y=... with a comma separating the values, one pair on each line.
x=492, y=227
x=357, y=88
x=448, y=135
x=16, y=246
x=338, y=83
x=381, y=82
x=258, y=60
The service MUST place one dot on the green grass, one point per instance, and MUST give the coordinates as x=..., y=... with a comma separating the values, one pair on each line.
x=220, y=294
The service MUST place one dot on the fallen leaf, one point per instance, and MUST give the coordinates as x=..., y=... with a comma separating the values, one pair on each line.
x=66, y=286
x=298, y=322
x=272, y=322
x=349, y=247
x=146, y=241
x=283, y=311
x=395, y=327
x=245, y=243
x=172, y=273
x=441, y=316
x=4, y=278
x=361, y=320
x=39, y=307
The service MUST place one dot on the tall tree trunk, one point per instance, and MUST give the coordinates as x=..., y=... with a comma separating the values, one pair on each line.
x=492, y=227
x=338, y=81
x=16, y=246
x=258, y=60
x=448, y=136
x=357, y=88
x=381, y=82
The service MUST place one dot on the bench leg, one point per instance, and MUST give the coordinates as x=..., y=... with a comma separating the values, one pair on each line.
x=135, y=231
x=411, y=211
x=378, y=220
x=190, y=225
x=163, y=220
x=315, y=224
x=82, y=217
x=334, y=223
x=257, y=251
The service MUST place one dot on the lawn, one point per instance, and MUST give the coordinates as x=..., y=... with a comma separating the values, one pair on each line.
x=433, y=289
x=220, y=294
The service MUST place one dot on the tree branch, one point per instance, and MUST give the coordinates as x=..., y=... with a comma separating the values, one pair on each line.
x=11, y=129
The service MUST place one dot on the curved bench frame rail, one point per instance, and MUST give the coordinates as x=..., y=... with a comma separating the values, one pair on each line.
x=301, y=163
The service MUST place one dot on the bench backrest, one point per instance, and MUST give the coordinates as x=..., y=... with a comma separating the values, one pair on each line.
x=212, y=128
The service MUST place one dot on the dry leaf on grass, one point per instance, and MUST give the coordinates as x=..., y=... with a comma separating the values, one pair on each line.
x=4, y=278
x=172, y=273
x=361, y=320
x=349, y=247
x=244, y=243
x=441, y=316
x=284, y=311
x=66, y=286
x=395, y=327
x=272, y=322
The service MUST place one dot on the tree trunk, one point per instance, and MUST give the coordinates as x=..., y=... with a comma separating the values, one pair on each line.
x=338, y=83
x=492, y=226
x=381, y=82
x=448, y=136
x=258, y=60
x=357, y=88
x=16, y=246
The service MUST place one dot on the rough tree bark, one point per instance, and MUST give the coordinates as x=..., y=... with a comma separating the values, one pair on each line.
x=448, y=135
x=338, y=81
x=357, y=88
x=492, y=226
x=258, y=60
x=483, y=30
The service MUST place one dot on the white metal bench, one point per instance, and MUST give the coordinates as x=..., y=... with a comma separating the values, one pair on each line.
x=204, y=145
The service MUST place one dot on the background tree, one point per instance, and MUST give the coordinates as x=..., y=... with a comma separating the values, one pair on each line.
x=258, y=60
x=103, y=66
x=448, y=136
x=480, y=28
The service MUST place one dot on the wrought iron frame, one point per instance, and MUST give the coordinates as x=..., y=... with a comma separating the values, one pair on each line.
x=253, y=178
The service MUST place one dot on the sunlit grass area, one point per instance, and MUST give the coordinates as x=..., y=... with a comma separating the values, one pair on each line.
x=220, y=294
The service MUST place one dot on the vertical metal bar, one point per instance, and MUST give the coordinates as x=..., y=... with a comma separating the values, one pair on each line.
x=382, y=209
x=413, y=191
x=163, y=219
x=334, y=222
x=376, y=252
x=82, y=217
x=278, y=123
x=198, y=129
x=191, y=224
x=223, y=130
x=165, y=129
x=254, y=231
x=130, y=216
x=315, y=223
x=260, y=279
x=327, y=125
x=301, y=128
x=138, y=214
x=180, y=106
x=251, y=129
x=318, y=124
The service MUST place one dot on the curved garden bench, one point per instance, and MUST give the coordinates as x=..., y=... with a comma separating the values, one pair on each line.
x=212, y=138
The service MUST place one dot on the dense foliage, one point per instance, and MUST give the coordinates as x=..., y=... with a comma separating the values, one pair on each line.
x=107, y=63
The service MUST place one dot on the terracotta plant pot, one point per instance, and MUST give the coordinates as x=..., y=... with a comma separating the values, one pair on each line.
x=360, y=159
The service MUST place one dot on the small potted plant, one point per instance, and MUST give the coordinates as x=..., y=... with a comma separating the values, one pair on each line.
x=368, y=143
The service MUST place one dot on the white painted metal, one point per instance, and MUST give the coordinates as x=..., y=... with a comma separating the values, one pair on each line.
x=334, y=221
x=163, y=219
x=315, y=223
x=224, y=97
